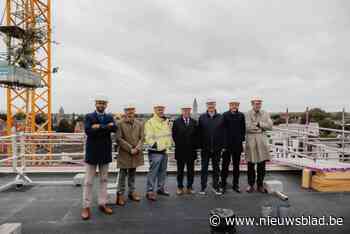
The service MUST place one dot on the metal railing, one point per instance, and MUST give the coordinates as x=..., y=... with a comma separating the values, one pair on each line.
x=303, y=150
x=67, y=150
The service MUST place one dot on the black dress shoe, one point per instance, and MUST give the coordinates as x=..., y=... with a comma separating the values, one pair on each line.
x=261, y=189
x=250, y=189
x=236, y=189
x=222, y=184
x=223, y=190
x=163, y=193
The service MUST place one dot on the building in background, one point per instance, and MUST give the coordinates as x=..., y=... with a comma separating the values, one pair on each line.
x=195, y=109
x=60, y=115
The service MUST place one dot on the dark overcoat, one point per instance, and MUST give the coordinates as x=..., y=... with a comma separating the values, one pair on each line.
x=235, y=129
x=185, y=138
x=211, y=131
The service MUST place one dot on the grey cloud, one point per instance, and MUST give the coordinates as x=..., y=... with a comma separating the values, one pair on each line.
x=293, y=53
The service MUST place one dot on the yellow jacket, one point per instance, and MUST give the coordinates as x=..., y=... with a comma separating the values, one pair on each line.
x=157, y=130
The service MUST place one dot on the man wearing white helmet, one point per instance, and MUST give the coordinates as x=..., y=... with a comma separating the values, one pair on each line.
x=257, y=151
x=98, y=127
x=211, y=135
x=234, y=124
x=158, y=139
x=130, y=138
x=185, y=136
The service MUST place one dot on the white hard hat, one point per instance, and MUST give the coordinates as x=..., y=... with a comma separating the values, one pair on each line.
x=186, y=106
x=210, y=100
x=101, y=97
x=129, y=106
x=255, y=98
x=158, y=105
x=233, y=101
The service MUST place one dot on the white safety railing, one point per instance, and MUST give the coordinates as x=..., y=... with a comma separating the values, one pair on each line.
x=301, y=149
x=65, y=151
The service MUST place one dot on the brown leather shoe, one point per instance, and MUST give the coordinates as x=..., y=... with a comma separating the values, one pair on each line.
x=85, y=213
x=151, y=196
x=105, y=209
x=250, y=189
x=120, y=200
x=190, y=191
x=179, y=191
x=134, y=196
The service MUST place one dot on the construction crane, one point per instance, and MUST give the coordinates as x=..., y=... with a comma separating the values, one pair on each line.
x=26, y=75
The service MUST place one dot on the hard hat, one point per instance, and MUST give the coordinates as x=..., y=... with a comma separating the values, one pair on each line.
x=186, y=106
x=253, y=99
x=209, y=100
x=101, y=97
x=158, y=105
x=129, y=106
x=233, y=101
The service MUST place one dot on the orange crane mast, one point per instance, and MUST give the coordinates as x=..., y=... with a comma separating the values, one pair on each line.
x=33, y=53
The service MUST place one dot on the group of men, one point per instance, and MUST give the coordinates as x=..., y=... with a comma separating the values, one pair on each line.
x=218, y=137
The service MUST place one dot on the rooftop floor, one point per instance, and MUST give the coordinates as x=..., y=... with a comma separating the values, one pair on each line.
x=56, y=209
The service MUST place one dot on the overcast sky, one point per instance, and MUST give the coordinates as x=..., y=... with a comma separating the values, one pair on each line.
x=293, y=53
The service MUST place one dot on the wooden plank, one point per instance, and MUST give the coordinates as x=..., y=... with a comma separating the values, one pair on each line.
x=337, y=175
x=306, y=178
x=321, y=184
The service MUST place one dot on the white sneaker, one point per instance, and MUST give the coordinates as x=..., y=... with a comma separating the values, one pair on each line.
x=218, y=192
x=202, y=192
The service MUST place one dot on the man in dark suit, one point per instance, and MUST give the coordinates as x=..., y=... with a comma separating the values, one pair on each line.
x=211, y=133
x=98, y=128
x=234, y=125
x=184, y=133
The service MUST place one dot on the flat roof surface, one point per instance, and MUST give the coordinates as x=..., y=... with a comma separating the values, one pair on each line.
x=56, y=209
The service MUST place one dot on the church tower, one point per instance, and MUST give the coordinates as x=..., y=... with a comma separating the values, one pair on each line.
x=195, y=109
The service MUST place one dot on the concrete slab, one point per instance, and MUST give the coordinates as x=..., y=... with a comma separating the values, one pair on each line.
x=273, y=186
x=112, y=196
x=56, y=209
x=11, y=228
x=78, y=179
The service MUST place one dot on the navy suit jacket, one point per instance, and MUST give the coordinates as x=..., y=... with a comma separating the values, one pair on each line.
x=99, y=142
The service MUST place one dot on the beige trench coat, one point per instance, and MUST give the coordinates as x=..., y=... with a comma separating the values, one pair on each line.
x=130, y=135
x=257, y=146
